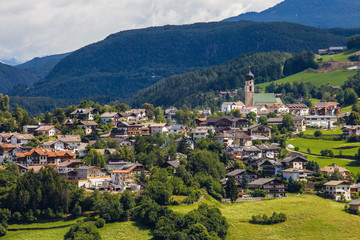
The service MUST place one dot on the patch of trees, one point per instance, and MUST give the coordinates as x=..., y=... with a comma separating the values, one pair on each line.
x=265, y=220
x=83, y=230
x=313, y=166
x=299, y=63
x=353, y=42
x=203, y=223
x=296, y=186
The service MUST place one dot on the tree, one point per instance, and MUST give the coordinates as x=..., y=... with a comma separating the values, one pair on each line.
x=231, y=189
x=287, y=122
x=350, y=96
x=263, y=120
x=245, y=180
x=317, y=133
x=83, y=230
x=354, y=118
x=150, y=109
x=251, y=116
x=94, y=158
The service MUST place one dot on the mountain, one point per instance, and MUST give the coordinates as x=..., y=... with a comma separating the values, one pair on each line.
x=316, y=13
x=129, y=61
x=11, y=76
x=198, y=88
x=39, y=67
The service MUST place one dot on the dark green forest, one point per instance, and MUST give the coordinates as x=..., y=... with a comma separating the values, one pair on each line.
x=129, y=61
x=198, y=88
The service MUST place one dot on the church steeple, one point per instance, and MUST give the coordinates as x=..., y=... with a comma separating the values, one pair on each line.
x=249, y=89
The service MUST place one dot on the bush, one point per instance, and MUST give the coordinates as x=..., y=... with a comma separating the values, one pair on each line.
x=2, y=230
x=16, y=217
x=296, y=149
x=258, y=193
x=265, y=220
x=100, y=223
x=83, y=230
x=317, y=133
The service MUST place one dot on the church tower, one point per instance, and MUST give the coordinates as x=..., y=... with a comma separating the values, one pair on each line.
x=249, y=89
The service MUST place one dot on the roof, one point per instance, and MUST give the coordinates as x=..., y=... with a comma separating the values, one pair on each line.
x=261, y=181
x=174, y=164
x=23, y=136
x=236, y=172
x=332, y=168
x=131, y=166
x=88, y=123
x=294, y=170
x=291, y=157
x=335, y=183
x=121, y=171
x=108, y=114
x=6, y=145
x=88, y=167
x=297, y=106
x=69, y=162
x=264, y=98
x=46, y=152
x=157, y=125
x=276, y=120
x=268, y=147
x=355, y=202
x=69, y=138
x=46, y=128
x=82, y=111
x=298, y=118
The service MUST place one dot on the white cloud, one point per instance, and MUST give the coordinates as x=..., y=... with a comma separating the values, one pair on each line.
x=42, y=27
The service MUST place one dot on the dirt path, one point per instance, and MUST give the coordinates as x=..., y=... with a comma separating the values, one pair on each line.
x=315, y=155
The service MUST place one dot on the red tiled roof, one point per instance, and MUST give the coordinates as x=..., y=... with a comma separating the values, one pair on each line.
x=46, y=152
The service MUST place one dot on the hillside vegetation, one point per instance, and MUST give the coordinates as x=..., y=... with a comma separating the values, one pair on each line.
x=10, y=76
x=129, y=61
x=322, y=14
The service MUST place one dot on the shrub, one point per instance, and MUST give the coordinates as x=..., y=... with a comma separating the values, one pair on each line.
x=16, y=217
x=100, y=223
x=83, y=230
x=264, y=219
x=297, y=148
x=2, y=230
x=317, y=133
x=258, y=193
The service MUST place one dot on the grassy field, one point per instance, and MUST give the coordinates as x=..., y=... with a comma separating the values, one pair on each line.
x=336, y=131
x=124, y=230
x=336, y=78
x=326, y=161
x=341, y=57
x=309, y=217
x=316, y=145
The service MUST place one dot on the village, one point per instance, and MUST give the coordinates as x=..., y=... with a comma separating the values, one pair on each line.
x=260, y=166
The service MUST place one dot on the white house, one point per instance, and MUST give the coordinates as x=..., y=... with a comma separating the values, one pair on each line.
x=338, y=188
x=229, y=106
x=321, y=121
x=109, y=117
x=158, y=128
x=21, y=139
x=296, y=174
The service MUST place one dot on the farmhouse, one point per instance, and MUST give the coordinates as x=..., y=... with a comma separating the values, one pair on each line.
x=336, y=189
x=272, y=186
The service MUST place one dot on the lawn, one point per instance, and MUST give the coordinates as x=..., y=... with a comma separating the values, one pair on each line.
x=326, y=161
x=336, y=131
x=341, y=57
x=124, y=230
x=309, y=217
x=316, y=145
x=336, y=78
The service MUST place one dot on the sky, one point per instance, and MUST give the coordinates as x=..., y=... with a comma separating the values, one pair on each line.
x=39, y=28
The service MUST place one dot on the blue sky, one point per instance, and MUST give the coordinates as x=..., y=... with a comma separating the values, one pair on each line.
x=44, y=27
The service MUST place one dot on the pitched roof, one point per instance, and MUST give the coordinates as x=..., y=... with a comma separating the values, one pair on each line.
x=235, y=172
x=335, y=183
x=293, y=156
x=108, y=114
x=82, y=111
x=46, y=152
x=23, y=136
x=69, y=162
x=268, y=147
x=261, y=181
x=46, y=128
x=295, y=170
x=296, y=106
x=332, y=168
x=88, y=123
x=264, y=98
x=69, y=138
x=355, y=202
x=174, y=164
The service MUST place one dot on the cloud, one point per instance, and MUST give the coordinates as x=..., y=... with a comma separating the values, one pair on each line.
x=41, y=27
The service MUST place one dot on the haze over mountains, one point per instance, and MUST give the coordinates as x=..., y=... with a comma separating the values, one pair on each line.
x=316, y=13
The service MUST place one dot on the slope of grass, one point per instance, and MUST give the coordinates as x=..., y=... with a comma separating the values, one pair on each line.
x=336, y=131
x=316, y=145
x=341, y=57
x=123, y=230
x=326, y=161
x=335, y=78
x=309, y=217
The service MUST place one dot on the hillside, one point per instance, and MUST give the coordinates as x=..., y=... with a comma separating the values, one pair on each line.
x=11, y=76
x=39, y=67
x=322, y=14
x=199, y=87
x=129, y=61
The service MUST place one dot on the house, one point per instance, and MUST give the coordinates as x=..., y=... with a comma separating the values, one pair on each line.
x=127, y=129
x=298, y=109
x=88, y=126
x=294, y=160
x=170, y=113
x=299, y=123
x=251, y=151
x=5, y=137
x=269, y=151
x=230, y=106
x=296, y=174
x=277, y=108
x=201, y=132
x=158, y=128
x=326, y=109
x=270, y=167
x=225, y=122
x=110, y=117
x=272, y=186
x=247, y=110
x=92, y=177
x=326, y=122
x=337, y=49
x=137, y=168
x=85, y=172
x=173, y=164
x=39, y=156
x=230, y=94
x=323, y=51
x=8, y=152
x=234, y=136
x=71, y=142
x=205, y=112
x=178, y=129
x=48, y=130
x=68, y=168
x=239, y=175
x=259, y=131
x=84, y=113
x=122, y=178
x=336, y=189
x=135, y=114
x=349, y=131
x=330, y=170
x=354, y=206
x=275, y=121
x=21, y=139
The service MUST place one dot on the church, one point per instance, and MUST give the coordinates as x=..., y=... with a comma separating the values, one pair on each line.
x=253, y=99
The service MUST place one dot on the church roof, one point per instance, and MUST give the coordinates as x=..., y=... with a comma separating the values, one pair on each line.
x=249, y=76
x=264, y=98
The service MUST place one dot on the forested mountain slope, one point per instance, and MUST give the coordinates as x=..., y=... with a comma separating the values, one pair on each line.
x=11, y=76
